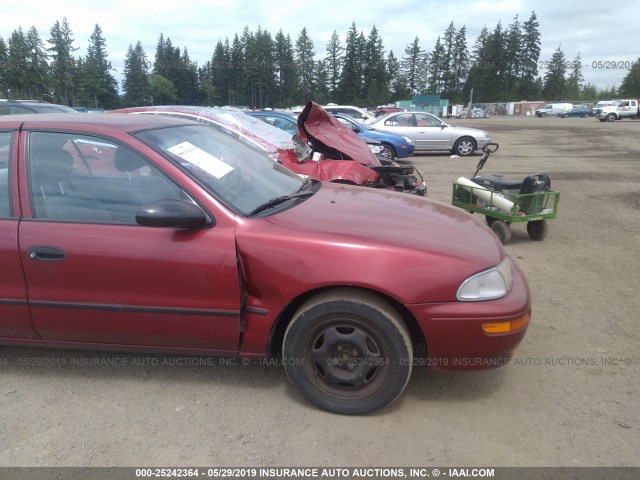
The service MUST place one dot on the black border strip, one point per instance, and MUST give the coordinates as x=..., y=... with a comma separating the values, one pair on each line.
x=257, y=311
x=139, y=309
x=11, y=301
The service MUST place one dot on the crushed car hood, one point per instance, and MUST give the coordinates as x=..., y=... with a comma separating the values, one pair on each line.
x=331, y=137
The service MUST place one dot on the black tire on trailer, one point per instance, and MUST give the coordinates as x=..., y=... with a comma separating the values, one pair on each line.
x=502, y=231
x=537, y=229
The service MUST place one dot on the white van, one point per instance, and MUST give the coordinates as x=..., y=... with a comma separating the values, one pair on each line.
x=553, y=109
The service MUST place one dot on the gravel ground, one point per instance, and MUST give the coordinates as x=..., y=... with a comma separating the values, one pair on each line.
x=569, y=398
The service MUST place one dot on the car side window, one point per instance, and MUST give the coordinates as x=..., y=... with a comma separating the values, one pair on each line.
x=427, y=121
x=79, y=178
x=401, y=120
x=5, y=195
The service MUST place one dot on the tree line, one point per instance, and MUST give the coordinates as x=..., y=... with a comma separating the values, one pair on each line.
x=256, y=69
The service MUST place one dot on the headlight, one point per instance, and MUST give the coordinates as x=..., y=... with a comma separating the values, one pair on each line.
x=487, y=285
x=407, y=139
x=375, y=148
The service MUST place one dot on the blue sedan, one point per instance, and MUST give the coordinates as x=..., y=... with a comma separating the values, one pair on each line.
x=577, y=112
x=394, y=145
x=277, y=119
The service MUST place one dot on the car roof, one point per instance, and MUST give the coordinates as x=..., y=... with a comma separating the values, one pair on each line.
x=116, y=122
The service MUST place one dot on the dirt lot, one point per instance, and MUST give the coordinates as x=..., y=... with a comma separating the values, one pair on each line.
x=571, y=398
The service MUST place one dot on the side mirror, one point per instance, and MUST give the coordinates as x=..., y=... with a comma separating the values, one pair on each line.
x=171, y=214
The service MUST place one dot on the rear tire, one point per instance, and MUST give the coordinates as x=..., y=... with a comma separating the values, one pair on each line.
x=537, y=229
x=348, y=351
x=502, y=231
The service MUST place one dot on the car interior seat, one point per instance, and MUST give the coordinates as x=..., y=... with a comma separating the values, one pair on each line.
x=54, y=198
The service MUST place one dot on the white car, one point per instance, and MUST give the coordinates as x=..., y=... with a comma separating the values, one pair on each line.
x=429, y=133
x=360, y=114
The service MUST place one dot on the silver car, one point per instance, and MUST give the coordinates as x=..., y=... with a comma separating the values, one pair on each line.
x=429, y=133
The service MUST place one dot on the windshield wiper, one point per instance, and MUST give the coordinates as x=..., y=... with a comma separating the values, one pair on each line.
x=277, y=201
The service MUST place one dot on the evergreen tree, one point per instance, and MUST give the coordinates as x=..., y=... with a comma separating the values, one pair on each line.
x=63, y=64
x=38, y=68
x=414, y=68
x=480, y=64
x=285, y=72
x=333, y=61
x=496, y=50
x=236, y=56
x=375, y=91
x=630, y=86
x=447, y=67
x=437, y=69
x=304, y=60
x=136, y=86
x=320, y=93
x=100, y=85
x=555, y=83
x=16, y=73
x=397, y=85
x=460, y=66
x=513, y=60
x=575, y=80
x=529, y=55
x=350, y=84
x=4, y=67
x=218, y=72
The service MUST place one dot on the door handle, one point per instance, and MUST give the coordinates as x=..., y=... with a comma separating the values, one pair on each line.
x=46, y=254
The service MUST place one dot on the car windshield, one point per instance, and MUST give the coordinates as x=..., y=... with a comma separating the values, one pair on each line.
x=240, y=177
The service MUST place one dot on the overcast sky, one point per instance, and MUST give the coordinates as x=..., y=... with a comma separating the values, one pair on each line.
x=600, y=30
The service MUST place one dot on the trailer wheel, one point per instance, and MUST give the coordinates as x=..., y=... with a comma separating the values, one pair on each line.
x=537, y=229
x=502, y=231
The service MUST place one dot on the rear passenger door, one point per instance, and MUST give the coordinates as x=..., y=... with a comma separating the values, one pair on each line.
x=95, y=276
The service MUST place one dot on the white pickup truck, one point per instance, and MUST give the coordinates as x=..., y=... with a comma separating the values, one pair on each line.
x=622, y=109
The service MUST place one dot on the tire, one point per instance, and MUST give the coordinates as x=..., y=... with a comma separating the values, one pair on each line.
x=502, y=231
x=348, y=352
x=388, y=152
x=542, y=115
x=610, y=118
x=489, y=219
x=464, y=146
x=537, y=229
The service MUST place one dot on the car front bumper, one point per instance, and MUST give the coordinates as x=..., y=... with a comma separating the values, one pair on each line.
x=405, y=151
x=482, y=141
x=454, y=333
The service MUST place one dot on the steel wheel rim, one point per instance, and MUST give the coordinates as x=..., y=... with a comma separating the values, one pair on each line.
x=346, y=359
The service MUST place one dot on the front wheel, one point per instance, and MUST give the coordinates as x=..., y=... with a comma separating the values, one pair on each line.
x=464, y=146
x=348, y=352
x=388, y=152
x=610, y=118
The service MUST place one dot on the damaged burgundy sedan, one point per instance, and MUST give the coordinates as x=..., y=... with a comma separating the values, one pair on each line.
x=130, y=232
